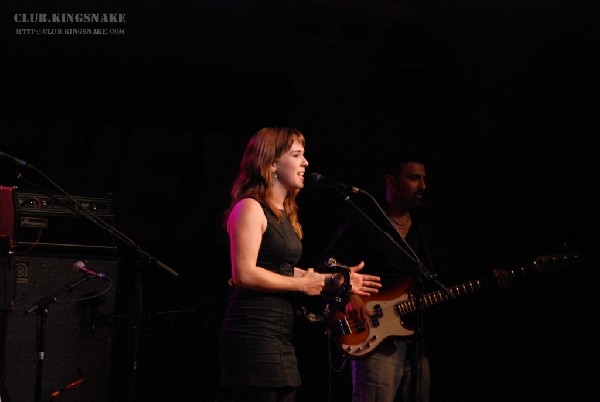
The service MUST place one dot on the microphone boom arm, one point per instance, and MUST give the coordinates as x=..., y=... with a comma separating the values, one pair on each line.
x=420, y=269
x=78, y=208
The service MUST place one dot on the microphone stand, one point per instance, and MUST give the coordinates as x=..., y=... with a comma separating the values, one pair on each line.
x=134, y=328
x=42, y=306
x=422, y=273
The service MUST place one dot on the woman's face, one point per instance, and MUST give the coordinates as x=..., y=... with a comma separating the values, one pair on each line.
x=291, y=166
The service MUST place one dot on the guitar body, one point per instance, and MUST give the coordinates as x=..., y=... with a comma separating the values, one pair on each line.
x=359, y=339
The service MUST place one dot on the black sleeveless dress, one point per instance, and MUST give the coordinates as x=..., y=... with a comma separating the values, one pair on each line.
x=255, y=343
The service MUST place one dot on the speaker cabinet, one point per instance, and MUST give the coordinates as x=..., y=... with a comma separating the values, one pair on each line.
x=78, y=330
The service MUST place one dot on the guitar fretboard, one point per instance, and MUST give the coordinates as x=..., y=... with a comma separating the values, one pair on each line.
x=550, y=263
x=430, y=299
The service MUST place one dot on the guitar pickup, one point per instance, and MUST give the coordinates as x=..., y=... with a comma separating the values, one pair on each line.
x=343, y=326
x=377, y=314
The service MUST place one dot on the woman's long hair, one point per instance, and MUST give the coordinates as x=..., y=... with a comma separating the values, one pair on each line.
x=255, y=179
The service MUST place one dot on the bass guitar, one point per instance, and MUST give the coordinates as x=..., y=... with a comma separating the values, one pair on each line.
x=387, y=308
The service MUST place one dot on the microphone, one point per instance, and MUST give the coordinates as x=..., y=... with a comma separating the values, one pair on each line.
x=320, y=180
x=80, y=266
x=19, y=162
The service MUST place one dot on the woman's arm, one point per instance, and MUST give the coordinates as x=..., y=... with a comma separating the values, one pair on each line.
x=246, y=224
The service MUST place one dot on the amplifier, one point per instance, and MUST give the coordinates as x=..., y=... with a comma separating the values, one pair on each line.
x=79, y=329
x=44, y=221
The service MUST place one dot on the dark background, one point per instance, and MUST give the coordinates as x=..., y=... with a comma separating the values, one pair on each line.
x=501, y=95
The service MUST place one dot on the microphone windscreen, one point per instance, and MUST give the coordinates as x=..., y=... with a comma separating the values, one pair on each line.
x=315, y=178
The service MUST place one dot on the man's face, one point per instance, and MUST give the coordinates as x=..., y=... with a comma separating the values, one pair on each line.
x=408, y=187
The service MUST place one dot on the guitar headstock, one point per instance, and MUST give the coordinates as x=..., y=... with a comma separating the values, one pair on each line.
x=555, y=262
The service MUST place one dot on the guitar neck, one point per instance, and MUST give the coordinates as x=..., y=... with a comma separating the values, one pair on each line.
x=433, y=298
x=546, y=263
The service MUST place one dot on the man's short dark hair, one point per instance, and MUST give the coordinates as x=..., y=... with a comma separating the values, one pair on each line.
x=392, y=163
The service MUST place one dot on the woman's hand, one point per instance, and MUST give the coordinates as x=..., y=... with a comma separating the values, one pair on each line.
x=313, y=282
x=363, y=284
